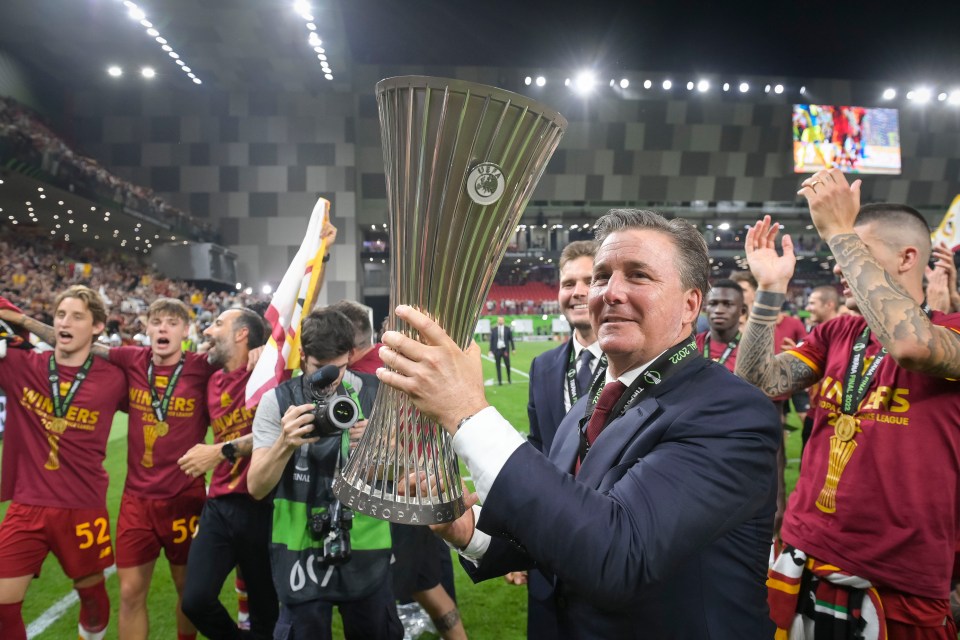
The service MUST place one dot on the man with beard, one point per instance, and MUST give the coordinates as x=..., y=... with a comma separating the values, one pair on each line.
x=234, y=528
x=55, y=444
x=724, y=309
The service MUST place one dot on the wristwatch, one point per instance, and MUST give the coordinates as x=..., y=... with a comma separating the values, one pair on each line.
x=229, y=451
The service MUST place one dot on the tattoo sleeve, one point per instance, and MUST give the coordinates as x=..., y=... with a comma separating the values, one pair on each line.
x=447, y=621
x=756, y=363
x=893, y=315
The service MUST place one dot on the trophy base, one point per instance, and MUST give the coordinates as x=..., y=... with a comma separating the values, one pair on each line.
x=362, y=500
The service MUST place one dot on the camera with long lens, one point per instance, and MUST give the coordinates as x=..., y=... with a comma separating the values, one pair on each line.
x=332, y=414
x=332, y=526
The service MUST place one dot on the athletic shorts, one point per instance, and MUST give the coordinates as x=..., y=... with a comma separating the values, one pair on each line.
x=79, y=538
x=417, y=556
x=145, y=526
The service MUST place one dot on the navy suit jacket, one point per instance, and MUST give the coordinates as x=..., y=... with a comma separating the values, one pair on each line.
x=665, y=532
x=545, y=407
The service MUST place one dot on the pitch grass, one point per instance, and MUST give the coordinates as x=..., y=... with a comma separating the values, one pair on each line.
x=492, y=609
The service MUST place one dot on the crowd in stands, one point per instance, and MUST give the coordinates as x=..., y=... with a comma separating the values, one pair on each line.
x=34, y=269
x=24, y=136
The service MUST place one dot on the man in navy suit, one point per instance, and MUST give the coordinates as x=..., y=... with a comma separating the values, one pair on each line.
x=501, y=345
x=656, y=518
x=557, y=379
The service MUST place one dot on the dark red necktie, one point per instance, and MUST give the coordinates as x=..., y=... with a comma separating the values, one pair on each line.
x=598, y=419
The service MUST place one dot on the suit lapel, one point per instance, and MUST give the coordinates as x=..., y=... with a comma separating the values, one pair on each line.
x=556, y=380
x=566, y=443
x=605, y=452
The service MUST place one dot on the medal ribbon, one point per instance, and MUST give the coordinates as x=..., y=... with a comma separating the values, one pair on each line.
x=726, y=353
x=572, y=374
x=61, y=403
x=671, y=361
x=160, y=407
x=858, y=381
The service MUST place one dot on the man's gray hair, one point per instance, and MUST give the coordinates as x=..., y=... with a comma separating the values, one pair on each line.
x=693, y=261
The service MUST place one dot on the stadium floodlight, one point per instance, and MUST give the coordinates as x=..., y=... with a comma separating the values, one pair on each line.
x=266, y=289
x=146, y=24
x=174, y=55
x=889, y=93
x=744, y=87
x=724, y=226
x=153, y=32
x=942, y=97
x=624, y=83
x=647, y=84
x=703, y=86
x=803, y=90
x=690, y=86
x=328, y=76
x=239, y=286
x=541, y=81
x=527, y=81
x=311, y=26
x=302, y=7
x=726, y=86
x=161, y=40
x=667, y=85
x=920, y=96
x=197, y=81
x=585, y=82
x=148, y=72
x=778, y=89
x=115, y=71
x=185, y=69
x=136, y=13
x=954, y=97
x=766, y=89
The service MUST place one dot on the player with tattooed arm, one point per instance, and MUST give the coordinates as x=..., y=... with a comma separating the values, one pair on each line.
x=871, y=527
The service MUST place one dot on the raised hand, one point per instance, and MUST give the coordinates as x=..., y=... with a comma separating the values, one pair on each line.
x=834, y=203
x=772, y=270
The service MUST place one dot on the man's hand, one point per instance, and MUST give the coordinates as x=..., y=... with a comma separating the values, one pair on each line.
x=516, y=578
x=788, y=343
x=296, y=425
x=253, y=356
x=444, y=382
x=834, y=203
x=772, y=271
x=328, y=233
x=356, y=432
x=200, y=459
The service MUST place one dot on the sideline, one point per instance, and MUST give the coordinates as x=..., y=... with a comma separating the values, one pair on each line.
x=59, y=608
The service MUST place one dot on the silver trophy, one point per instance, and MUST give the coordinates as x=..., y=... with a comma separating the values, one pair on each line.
x=461, y=161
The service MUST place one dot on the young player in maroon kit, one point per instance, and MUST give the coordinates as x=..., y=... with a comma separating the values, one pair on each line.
x=873, y=522
x=168, y=415
x=724, y=307
x=59, y=418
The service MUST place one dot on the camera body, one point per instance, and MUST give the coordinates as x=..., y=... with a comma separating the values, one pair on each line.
x=332, y=414
x=332, y=526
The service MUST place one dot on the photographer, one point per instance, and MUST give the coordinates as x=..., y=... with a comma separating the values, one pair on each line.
x=322, y=554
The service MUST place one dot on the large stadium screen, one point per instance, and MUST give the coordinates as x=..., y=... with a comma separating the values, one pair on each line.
x=854, y=139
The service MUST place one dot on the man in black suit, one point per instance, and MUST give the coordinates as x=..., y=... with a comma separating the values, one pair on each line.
x=558, y=378
x=501, y=346
x=656, y=518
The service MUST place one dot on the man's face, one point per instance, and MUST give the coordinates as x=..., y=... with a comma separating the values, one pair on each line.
x=749, y=294
x=500, y=321
x=724, y=308
x=881, y=252
x=220, y=334
x=575, y=280
x=166, y=333
x=73, y=326
x=817, y=308
x=638, y=307
x=311, y=365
